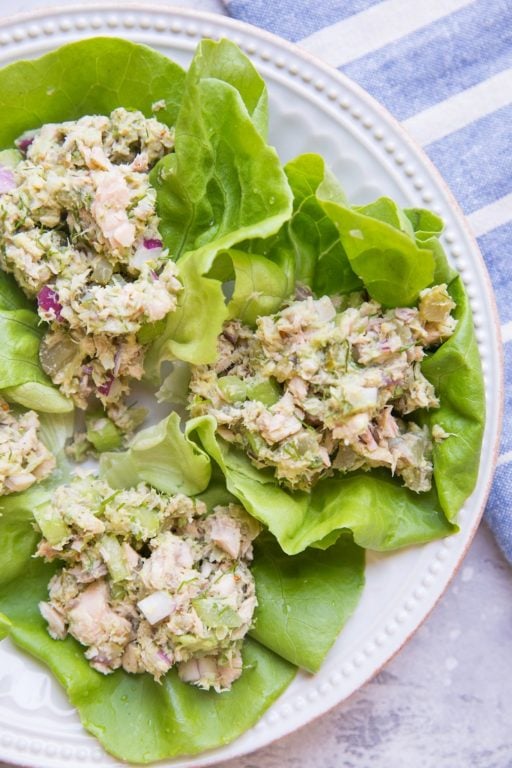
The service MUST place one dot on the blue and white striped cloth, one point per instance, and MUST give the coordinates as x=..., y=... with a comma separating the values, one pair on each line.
x=444, y=68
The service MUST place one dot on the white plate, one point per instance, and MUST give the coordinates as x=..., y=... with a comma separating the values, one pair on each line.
x=312, y=108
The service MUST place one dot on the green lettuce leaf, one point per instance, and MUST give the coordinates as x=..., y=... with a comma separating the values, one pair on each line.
x=383, y=252
x=140, y=721
x=305, y=600
x=224, y=184
x=381, y=514
x=190, y=333
x=308, y=245
x=22, y=379
x=423, y=220
x=91, y=76
x=260, y=287
x=11, y=295
x=455, y=371
x=162, y=456
x=319, y=254
x=55, y=429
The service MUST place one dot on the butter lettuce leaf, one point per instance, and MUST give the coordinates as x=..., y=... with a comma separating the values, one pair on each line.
x=89, y=77
x=22, y=379
x=11, y=295
x=162, y=456
x=455, y=371
x=190, y=333
x=260, y=286
x=321, y=260
x=223, y=185
x=308, y=245
x=389, y=261
x=305, y=600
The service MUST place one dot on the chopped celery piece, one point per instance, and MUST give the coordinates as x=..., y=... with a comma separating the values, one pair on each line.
x=52, y=526
x=112, y=553
x=215, y=615
x=267, y=392
x=147, y=520
x=233, y=389
x=256, y=443
x=194, y=643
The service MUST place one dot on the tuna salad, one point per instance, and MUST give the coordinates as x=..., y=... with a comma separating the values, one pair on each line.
x=149, y=580
x=319, y=388
x=80, y=234
x=24, y=459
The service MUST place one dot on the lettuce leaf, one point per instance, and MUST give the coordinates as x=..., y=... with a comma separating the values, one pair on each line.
x=382, y=251
x=22, y=379
x=455, y=371
x=55, y=429
x=253, y=284
x=162, y=456
x=224, y=184
x=309, y=242
x=140, y=721
x=11, y=295
x=92, y=76
x=305, y=600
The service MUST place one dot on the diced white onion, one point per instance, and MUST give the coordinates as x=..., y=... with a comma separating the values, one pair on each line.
x=325, y=309
x=156, y=606
x=143, y=254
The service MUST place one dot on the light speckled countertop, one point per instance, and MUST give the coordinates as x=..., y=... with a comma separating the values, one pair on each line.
x=445, y=700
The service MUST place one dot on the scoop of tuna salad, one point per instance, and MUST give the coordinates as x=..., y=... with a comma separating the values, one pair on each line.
x=80, y=234
x=24, y=459
x=320, y=388
x=149, y=580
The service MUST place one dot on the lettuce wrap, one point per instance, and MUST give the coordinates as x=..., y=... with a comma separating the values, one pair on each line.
x=393, y=253
x=303, y=603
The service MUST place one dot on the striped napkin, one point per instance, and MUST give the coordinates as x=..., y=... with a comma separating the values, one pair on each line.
x=444, y=69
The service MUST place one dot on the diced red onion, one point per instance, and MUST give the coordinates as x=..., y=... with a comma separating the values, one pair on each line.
x=7, y=180
x=87, y=369
x=105, y=388
x=154, y=275
x=152, y=243
x=48, y=300
x=162, y=655
x=24, y=142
